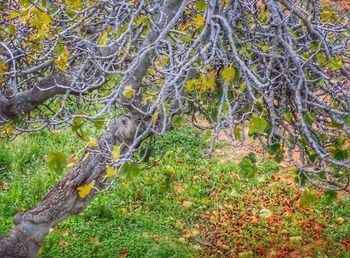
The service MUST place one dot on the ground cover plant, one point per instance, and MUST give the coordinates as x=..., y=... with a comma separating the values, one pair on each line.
x=186, y=205
x=115, y=75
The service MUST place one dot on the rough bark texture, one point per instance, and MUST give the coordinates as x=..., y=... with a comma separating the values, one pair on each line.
x=16, y=105
x=32, y=226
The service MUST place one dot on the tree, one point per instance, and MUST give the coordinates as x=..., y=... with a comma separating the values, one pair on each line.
x=280, y=67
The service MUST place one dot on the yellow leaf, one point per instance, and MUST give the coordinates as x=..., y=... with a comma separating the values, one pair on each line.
x=9, y=129
x=116, y=152
x=3, y=66
x=265, y=14
x=75, y=4
x=199, y=20
x=40, y=19
x=43, y=31
x=84, y=190
x=228, y=73
x=142, y=20
x=92, y=143
x=110, y=171
x=192, y=84
x=61, y=61
x=103, y=39
x=133, y=3
x=13, y=15
x=12, y=29
x=42, y=22
x=211, y=81
x=164, y=60
x=243, y=86
x=154, y=117
x=129, y=92
x=265, y=48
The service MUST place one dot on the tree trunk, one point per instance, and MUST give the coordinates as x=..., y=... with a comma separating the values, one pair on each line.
x=31, y=227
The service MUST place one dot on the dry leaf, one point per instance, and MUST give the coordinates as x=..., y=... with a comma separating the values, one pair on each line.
x=4, y=186
x=72, y=160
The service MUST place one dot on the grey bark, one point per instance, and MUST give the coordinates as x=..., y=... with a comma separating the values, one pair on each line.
x=14, y=106
x=31, y=227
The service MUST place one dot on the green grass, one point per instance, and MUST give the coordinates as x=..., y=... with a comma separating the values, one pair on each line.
x=23, y=168
x=182, y=205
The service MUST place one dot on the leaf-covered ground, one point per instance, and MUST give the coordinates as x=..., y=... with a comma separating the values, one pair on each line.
x=182, y=205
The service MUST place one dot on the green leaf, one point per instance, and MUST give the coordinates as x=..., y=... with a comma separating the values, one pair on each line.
x=83, y=134
x=129, y=171
x=300, y=178
x=296, y=240
x=315, y=46
x=77, y=123
x=201, y=6
x=142, y=20
x=237, y=133
x=165, y=184
x=278, y=158
x=234, y=193
x=57, y=161
x=257, y=125
x=330, y=196
x=247, y=168
x=99, y=124
x=58, y=49
x=116, y=152
x=208, y=134
x=252, y=157
x=288, y=116
x=347, y=120
x=341, y=154
x=246, y=254
x=335, y=63
x=103, y=38
x=25, y=3
x=308, y=198
x=178, y=121
x=321, y=59
x=339, y=141
x=306, y=55
x=309, y=118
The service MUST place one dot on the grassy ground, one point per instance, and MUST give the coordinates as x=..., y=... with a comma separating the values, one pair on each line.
x=183, y=205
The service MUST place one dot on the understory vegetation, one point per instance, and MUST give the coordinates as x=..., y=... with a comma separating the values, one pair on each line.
x=182, y=204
